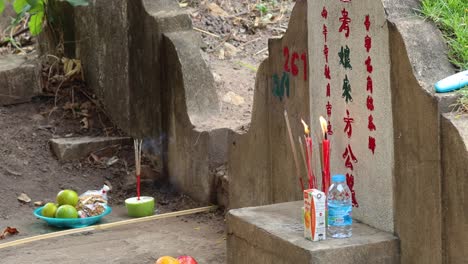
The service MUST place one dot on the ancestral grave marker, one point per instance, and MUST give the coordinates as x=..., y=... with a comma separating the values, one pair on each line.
x=350, y=87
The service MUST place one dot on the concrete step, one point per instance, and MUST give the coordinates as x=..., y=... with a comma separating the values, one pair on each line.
x=274, y=234
x=20, y=79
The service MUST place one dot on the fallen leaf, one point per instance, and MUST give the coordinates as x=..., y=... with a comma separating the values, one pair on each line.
x=8, y=231
x=24, y=198
x=216, y=10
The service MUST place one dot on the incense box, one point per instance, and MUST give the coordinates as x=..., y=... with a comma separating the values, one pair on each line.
x=314, y=215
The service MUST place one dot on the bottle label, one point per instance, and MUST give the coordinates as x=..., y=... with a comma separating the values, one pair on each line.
x=339, y=215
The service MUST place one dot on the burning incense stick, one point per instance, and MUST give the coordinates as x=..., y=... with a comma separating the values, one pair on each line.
x=293, y=148
x=137, y=144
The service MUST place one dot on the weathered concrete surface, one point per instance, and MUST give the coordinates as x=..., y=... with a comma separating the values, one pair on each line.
x=372, y=170
x=417, y=161
x=454, y=131
x=144, y=97
x=81, y=147
x=274, y=234
x=261, y=168
x=20, y=79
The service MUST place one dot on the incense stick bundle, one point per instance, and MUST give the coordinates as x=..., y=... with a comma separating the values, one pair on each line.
x=137, y=143
x=293, y=148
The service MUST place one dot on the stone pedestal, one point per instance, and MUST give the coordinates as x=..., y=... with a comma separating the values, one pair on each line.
x=274, y=234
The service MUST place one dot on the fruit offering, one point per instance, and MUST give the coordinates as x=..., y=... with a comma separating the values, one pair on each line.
x=186, y=260
x=67, y=197
x=66, y=211
x=167, y=260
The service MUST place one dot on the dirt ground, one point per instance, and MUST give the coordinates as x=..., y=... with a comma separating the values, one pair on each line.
x=235, y=34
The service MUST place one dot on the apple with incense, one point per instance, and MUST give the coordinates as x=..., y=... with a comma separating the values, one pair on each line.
x=140, y=207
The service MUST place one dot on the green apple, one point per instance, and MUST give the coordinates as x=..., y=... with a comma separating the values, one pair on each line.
x=66, y=211
x=69, y=197
x=140, y=208
x=49, y=210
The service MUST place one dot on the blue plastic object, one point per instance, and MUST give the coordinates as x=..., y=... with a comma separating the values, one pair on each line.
x=338, y=178
x=72, y=222
x=452, y=82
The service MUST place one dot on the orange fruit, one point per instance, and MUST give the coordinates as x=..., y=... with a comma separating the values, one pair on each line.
x=66, y=211
x=69, y=197
x=167, y=260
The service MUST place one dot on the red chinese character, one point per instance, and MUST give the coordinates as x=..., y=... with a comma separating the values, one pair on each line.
x=371, y=124
x=345, y=20
x=328, y=90
x=350, y=182
x=370, y=103
x=370, y=87
x=324, y=13
x=327, y=72
x=325, y=52
x=329, y=109
x=348, y=156
x=329, y=128
x=369, y=64
x=368, y=43
x=372, y=144
x=367, y=22
x=348, y=128
x=325, y=31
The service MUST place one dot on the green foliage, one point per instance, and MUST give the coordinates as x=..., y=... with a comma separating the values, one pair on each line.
x=451, y=16
x=262, y=8
x=462, y=101
x=38, y=10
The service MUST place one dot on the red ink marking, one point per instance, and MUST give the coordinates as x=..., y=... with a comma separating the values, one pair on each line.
x=346, y=1
x=369, y=64
x=348, y=128
x=325, y=52
x=370, y=103
x=325, y=31
x=328, y=90
x=348, y=155
x=367, y=22
x=304, y=63
x=345, y=20
x=350, y=182
x=370, y=86
x=327, y=72
x=329, y=109
x=329, y=128
x=294, y=68
x=371, y=124
x=286, y=62
x=324, y=13
x=372, y=144
x=368, y=43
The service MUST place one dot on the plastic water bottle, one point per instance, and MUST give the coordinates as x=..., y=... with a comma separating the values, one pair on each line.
x=339, y=208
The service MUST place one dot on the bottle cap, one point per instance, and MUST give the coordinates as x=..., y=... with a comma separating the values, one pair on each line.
x=338, y=178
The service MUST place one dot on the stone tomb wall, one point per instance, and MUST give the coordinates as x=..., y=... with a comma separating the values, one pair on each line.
x=350, y=87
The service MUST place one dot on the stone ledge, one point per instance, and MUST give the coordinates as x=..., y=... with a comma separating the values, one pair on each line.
x=20, y=79
x=274, y=234
x=77, y=148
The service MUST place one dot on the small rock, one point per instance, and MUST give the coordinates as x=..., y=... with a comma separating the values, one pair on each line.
x=217, y=78
x=220, y=173
x=230, y=50
x=24, y=198
x=233, y=98
x=37, y=117
x=39, y=203
x=221, y=55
